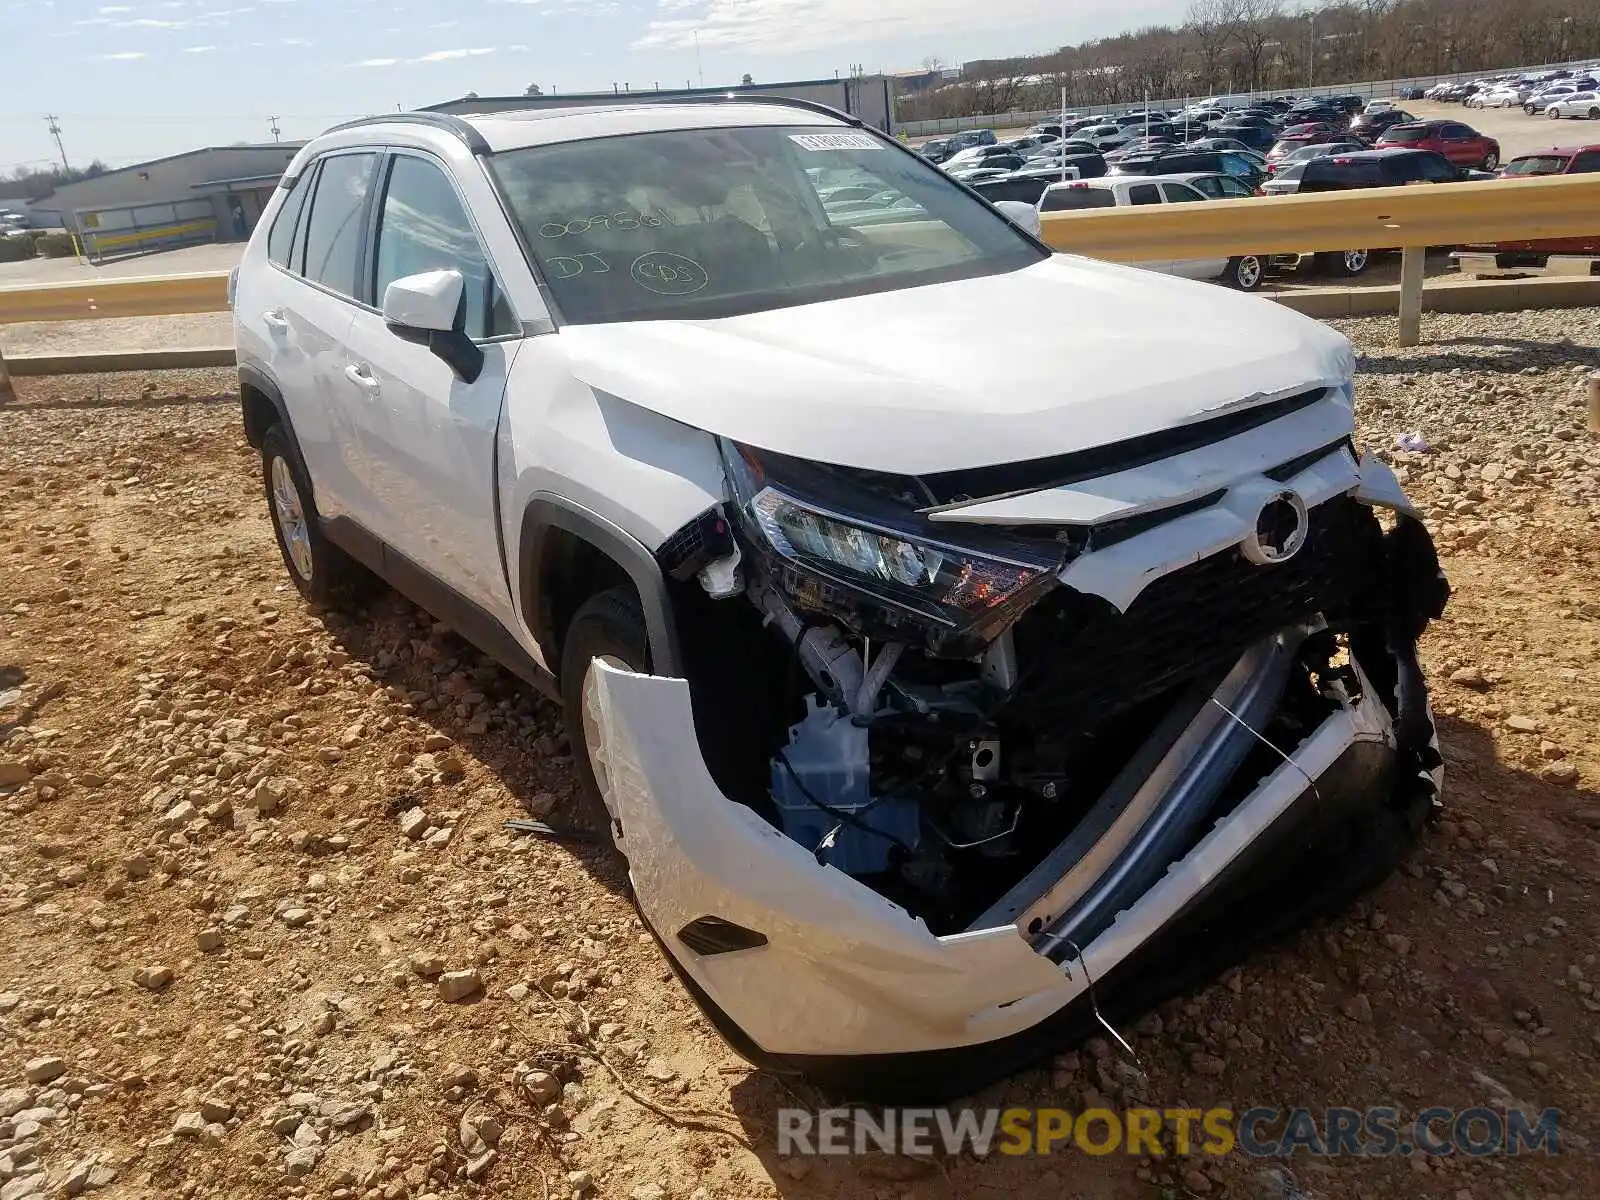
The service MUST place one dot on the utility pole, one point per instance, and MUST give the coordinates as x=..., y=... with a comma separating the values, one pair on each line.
x=272, y=123
x=1311, y=70
x=55, y=132
x=699, y=65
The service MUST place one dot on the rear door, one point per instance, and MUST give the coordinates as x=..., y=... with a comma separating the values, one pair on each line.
x=1461, y=145
x=310, y=320
x=432, y=467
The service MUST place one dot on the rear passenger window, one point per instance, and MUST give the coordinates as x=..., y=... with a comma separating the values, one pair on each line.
x=333, y=234
x=280, y=239
x=1177, y=193
x=1144, y=193
x=1068, y=199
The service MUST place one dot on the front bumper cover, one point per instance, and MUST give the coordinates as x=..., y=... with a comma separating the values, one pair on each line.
x=852, y=991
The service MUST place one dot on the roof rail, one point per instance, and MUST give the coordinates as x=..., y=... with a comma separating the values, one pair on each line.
x=778, y=101
x=447, y=122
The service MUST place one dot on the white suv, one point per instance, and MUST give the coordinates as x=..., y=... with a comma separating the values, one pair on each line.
x=942, y=623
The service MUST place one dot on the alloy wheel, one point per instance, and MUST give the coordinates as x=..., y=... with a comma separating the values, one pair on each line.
x=290, y=515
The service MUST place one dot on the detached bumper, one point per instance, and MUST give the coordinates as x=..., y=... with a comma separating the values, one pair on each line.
x=851, y=990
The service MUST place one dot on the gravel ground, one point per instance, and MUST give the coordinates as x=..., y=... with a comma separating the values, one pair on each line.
x=238, y=963
x=117, y=333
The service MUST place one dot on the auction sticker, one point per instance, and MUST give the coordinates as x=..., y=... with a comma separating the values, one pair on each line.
x=835, y=141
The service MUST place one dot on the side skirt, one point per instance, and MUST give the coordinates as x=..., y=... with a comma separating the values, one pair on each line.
x=426, y=589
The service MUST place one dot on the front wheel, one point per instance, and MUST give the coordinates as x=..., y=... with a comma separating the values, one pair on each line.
x=1245, y=272
x=1529, y=109
x=1594, y=114
x=317, y=568
x=608, y=628
x=1554, y=114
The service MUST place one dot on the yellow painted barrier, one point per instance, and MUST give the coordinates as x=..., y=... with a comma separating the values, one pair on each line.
x=104, y=242
x=1364, y=219
x=149, y=296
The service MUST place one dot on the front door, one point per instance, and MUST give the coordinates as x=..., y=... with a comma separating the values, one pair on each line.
x=430, y=436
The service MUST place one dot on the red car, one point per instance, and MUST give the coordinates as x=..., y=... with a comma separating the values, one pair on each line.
x=1461, y=144
x=1546, y=256
x=1296, y=136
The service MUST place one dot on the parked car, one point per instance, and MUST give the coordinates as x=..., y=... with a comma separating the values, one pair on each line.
x=1371, y=126
x=1377, y=106
x=1297, y=137
x=1504, y=95
x=1581, y=105
x=867, y=564
x=1257, y=137
x=1413, y=93
x=1244, y=272
x=1230, y=145
x=1184, y=160
x=1363, y=169
x=1219, y=187
x=1306, y=153
x=1545, y=256
x=1461, y=144
x=1544, y=97
x=1104, y=137
x=974, y=156
x=936, y=150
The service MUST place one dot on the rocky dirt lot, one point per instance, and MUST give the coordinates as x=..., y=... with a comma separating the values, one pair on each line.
x=263, y=932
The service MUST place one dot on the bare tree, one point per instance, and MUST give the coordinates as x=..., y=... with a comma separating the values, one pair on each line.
x=746, y=79
x=1254, y=23
x=1209, y=27
x=933, y=63
x=534, y=90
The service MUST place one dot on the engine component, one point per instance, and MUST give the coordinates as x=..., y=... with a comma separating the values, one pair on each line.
x=820, y=784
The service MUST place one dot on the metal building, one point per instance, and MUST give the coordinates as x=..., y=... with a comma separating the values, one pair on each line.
x=214, y=194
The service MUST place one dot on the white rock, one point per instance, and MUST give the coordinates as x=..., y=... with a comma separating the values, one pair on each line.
x=455, y=986
x=44, y=1069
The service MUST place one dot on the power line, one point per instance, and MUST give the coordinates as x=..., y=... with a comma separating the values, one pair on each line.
x=55, y=132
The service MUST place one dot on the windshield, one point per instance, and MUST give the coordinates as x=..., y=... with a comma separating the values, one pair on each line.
x=704, y=223
x=1537, y=164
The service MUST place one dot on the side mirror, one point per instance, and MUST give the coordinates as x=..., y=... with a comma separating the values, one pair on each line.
x=430, y=309
x=1024, y=216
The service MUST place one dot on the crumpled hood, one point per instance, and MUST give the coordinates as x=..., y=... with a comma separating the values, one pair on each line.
x=1057, y=357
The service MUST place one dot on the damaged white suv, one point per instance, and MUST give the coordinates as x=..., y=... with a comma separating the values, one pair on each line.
x=960, y=637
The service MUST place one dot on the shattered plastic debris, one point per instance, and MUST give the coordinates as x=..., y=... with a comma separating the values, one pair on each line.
x=1413, y=442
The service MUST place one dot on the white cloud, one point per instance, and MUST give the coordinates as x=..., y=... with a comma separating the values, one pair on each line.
x=124, y=56
x=200, y=49
x=112, y=9
x=294, y=41
x=435, y=56
x=150, y=23
x=785, y=26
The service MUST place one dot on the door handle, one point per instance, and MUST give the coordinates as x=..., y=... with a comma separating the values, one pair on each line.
x=361, y=376
x=275, y=320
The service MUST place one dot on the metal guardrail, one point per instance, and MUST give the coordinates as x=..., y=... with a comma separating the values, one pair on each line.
x=1407, y=218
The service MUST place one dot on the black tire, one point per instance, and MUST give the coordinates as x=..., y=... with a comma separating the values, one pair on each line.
x=1491, y=161
x=321, y=571
x=1594, y=114
x=1246, y=272
x=1553, y=113
x=1346, y=263
x=608, y=625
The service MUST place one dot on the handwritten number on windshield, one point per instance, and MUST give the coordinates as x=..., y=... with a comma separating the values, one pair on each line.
x=621, y=221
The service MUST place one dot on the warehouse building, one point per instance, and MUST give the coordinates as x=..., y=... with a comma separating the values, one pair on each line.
x=870, y=97
x=214, y=194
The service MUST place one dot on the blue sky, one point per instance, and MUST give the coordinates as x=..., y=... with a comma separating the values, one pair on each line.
x=135, y=79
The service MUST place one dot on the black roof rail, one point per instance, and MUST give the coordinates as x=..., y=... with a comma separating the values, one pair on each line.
x=474, y=140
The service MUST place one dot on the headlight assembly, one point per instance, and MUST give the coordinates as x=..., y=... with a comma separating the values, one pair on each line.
x=961, y=589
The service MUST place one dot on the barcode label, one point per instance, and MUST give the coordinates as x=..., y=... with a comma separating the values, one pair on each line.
x=835, y=141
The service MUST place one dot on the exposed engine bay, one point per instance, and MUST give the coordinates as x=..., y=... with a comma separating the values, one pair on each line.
x=935, y=709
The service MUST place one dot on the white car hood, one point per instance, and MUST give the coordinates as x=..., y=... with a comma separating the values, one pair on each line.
x=1061, y=356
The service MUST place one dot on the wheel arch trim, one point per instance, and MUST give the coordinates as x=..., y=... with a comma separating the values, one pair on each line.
x=547, y=512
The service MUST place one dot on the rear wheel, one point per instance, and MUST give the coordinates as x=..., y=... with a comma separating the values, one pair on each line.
x=317, y=568
x=1245, y=272
x=1345, y=262
x=609, y=628
x=1594, y=114
x=1491, y=161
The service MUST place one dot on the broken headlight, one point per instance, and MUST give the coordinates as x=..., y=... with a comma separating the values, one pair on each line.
x=861, y=541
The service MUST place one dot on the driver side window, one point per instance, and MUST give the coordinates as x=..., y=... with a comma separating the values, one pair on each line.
x=423, y=227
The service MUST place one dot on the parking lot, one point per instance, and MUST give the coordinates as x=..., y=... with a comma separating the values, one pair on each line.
x=210, y=968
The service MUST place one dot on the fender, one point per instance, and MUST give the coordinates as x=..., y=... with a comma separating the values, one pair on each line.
x=547, y=511
x=258, y=380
